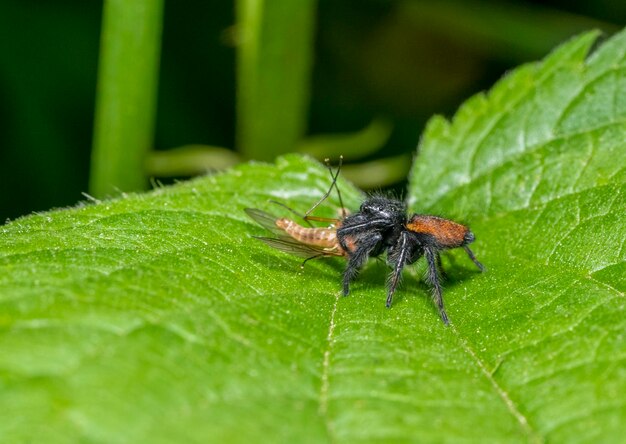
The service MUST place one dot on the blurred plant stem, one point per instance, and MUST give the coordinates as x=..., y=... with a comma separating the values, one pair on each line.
x=126, y=95
x=274, y=61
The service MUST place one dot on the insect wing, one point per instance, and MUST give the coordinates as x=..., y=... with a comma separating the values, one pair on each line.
x=268, y=222
x=292, y=246
x=283, y=241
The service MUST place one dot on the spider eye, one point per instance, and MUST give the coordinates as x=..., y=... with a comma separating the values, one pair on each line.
x=369, y=208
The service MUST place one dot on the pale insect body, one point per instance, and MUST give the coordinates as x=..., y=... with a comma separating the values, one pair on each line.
x=310, y=242
x=291, y=237
x=325, y=237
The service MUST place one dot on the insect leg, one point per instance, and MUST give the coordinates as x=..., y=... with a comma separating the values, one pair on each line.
x=317, y=256
x=307, y=216
x=330, y=189
x=301, y=216
x=470, y=253
x=433, y=278
x=341, y=205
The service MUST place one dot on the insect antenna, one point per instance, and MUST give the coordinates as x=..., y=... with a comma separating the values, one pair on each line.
x=307, y=216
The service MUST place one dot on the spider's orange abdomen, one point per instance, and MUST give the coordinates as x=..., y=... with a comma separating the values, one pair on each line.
x=447, y=234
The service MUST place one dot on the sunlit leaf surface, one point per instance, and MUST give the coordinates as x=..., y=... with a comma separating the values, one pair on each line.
x=158, y=318
x=538, y=167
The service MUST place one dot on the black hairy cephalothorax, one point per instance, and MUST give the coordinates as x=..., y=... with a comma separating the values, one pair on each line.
x=380, y=226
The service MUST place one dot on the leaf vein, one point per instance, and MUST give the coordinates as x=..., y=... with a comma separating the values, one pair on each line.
x=325, y=381
x=525, y=426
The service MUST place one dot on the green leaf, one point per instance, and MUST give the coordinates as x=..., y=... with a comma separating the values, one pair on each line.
x=537, y=166
x=158, y=318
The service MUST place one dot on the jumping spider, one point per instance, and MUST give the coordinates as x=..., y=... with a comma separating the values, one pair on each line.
x=382, y=225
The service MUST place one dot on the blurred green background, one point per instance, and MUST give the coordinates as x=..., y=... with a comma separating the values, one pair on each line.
x=380, y=69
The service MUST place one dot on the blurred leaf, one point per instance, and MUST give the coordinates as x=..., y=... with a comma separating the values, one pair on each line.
x=506, y=30
x=190, y=160
x=157, y=318
x=379, y=173
x=351, y=145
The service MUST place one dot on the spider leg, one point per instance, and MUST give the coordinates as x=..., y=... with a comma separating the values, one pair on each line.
x=363, y=225
x=433, y=277
x=404, y=252
x=469, y=252
x=357, y=259
x=440, y=266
